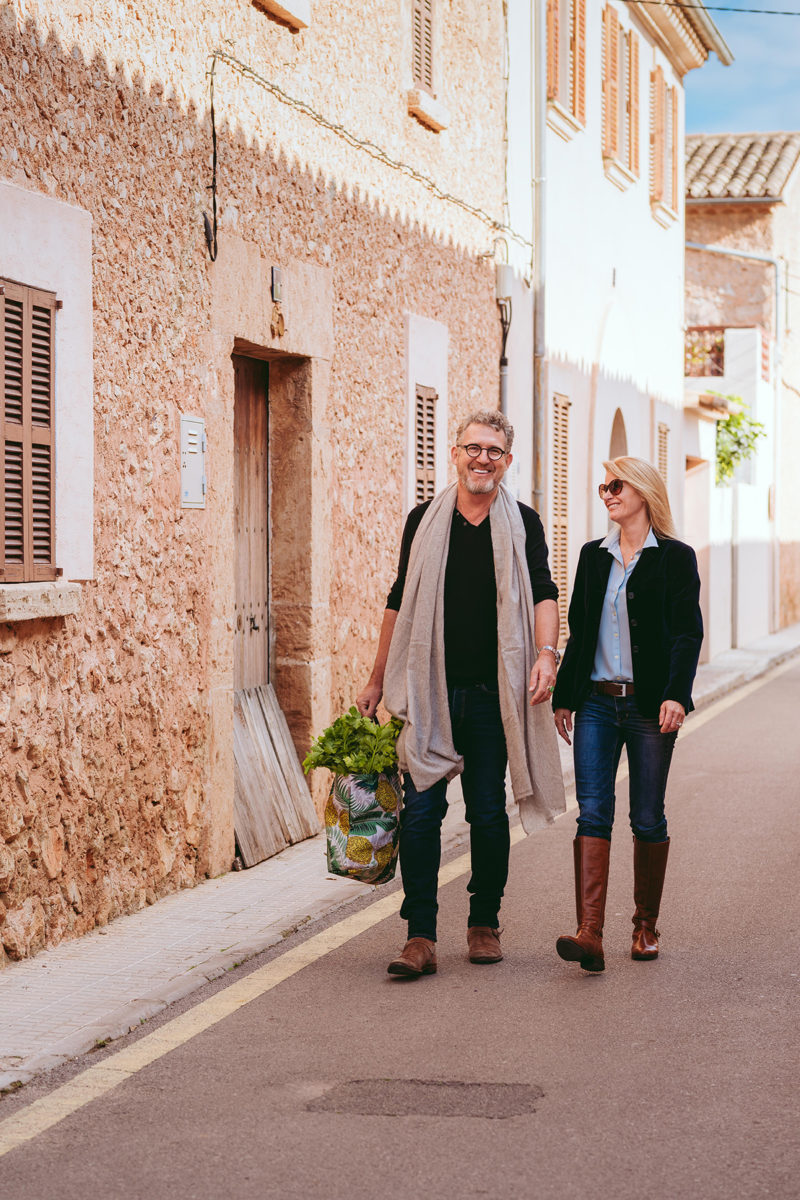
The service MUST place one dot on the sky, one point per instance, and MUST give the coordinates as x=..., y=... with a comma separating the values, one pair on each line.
x=760, y=91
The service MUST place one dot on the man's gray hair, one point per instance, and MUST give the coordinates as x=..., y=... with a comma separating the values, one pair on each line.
x=491, y=417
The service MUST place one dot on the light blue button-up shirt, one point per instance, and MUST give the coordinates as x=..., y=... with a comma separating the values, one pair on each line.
x=612, y=658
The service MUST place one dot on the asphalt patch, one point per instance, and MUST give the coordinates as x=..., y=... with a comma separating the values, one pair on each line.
x=429, y=1097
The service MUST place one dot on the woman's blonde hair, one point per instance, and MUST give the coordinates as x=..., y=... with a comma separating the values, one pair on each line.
x=645, y=479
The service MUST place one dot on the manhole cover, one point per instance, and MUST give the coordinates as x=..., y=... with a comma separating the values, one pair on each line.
x=428, y=1097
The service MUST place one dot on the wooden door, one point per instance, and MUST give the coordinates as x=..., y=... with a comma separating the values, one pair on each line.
x=272, y=803
x=251, y=523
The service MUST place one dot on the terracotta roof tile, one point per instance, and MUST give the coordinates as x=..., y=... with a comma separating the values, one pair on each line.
x=739, y=166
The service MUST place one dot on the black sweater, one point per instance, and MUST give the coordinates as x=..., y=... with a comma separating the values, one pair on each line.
x=470, y=591
x=666, y=626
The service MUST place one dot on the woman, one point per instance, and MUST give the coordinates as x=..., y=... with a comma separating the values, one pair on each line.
x=635, y=636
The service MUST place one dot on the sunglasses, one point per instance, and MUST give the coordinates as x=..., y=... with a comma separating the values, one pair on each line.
x=615, y=487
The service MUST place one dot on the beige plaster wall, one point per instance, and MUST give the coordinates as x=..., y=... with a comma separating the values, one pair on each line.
x=116, y=772
x=787, y=241
x=722, y=291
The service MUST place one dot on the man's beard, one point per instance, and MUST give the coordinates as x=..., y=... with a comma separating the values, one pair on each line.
x=479, y=485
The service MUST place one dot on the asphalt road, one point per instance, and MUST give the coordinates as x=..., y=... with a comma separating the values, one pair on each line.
x=677, y=1078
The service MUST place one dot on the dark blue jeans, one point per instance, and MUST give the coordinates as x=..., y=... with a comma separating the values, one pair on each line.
x=603, y=725
x=478, y=735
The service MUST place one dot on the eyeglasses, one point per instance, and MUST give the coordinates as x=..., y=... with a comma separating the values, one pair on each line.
x=615, y=487
x=475, y=451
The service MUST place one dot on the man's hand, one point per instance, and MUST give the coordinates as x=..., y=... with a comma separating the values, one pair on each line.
x=543, y=677
x=369, y=699
x=671, y=716
x=563, y=720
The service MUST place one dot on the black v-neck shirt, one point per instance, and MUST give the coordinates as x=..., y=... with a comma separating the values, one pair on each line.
x=470, y=591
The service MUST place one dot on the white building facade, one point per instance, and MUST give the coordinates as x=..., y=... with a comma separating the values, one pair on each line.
x=604, y=149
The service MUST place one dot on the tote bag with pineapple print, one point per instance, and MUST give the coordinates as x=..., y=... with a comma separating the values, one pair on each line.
x=362, y=826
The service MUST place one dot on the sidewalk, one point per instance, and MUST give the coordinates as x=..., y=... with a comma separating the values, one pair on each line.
x=62, y=1002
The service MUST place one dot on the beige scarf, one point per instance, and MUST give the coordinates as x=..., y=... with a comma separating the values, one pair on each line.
x=415, y=685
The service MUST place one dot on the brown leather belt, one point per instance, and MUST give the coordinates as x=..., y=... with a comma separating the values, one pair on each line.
x=605, y=687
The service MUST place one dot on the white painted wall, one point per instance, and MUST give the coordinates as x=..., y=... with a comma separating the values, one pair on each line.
x=615, y=275
x=426, y=364
x=738, y=544
x=47, y=244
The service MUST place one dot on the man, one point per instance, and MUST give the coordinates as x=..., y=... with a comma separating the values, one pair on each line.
x=455, y=653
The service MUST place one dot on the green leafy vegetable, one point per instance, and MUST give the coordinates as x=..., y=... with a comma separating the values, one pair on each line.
x=355, y=745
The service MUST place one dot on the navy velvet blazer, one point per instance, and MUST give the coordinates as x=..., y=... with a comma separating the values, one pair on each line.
x=666, y=626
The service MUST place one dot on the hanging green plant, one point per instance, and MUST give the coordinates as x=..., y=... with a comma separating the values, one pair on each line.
x=737, y=438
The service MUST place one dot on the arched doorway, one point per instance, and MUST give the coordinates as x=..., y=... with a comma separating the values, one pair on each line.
x=619, y=438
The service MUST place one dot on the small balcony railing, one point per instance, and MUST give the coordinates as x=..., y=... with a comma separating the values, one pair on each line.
x=704, y=351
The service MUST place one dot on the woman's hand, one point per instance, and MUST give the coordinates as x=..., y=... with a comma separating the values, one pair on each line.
x=563, y=720
x=671, y=716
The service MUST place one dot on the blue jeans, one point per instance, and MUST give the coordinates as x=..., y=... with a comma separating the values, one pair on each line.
x=478, y=735
x=603, y=725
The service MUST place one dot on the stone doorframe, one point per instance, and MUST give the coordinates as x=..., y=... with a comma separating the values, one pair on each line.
x=296, y=337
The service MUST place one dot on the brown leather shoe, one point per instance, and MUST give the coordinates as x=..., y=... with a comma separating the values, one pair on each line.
x=417, y=958
x=591, y=856
x=484, y=944
x=649, y=869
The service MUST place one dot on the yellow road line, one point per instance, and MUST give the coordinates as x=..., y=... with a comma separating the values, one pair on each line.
x=102, y=1078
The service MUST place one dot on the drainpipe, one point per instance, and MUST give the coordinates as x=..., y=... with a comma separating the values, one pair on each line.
x=775, y=263
x=538, y=157
x=503, y=286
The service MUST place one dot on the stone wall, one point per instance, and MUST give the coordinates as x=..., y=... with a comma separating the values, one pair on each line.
x=116, y=767
x=728, y=291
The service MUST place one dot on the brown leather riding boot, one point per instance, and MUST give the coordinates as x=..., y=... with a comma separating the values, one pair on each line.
x=591, y=856
x=418, y=957
x=649, y=869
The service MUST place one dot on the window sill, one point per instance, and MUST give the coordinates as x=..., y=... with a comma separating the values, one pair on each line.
x=662, y=213
x=620, y=175
x=561, y=121
x=37, y=601
x=296, y=13
x=427, y=110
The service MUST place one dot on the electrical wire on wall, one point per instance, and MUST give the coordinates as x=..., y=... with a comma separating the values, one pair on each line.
x=210, y=224
x=341, y=131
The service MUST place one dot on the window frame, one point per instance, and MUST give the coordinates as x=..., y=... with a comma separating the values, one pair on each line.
x=28, y=359
x=424, y=442
x=559, y=506
x=620, y=100
x=664, y=145
x=566, y=65
x=423, y=56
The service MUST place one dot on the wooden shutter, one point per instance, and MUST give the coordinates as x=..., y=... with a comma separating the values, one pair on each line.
x=663, y=450
x=559, y=540
x=425, y=444
x=657, y=130
x=610, y=83
x=672, y=166
x=553, y=16
x=633, y=103
x=579, y=61
x=422, y=43
x=27, y=434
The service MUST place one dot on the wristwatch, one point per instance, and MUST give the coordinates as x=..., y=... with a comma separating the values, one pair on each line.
x=554, y=651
